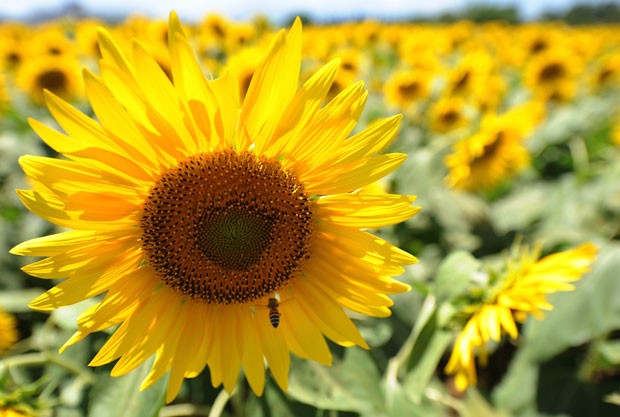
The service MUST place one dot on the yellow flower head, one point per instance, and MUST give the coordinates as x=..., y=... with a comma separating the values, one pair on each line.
x=495, y=152
x=212, y=224
x=447, y=114
x=8, y=331
x=57, y=74
x=469, y=77
x=607, y=72
x=51, y=40
x=520, y=292
x=552, y=74
x=404, y=88
x=243, y=64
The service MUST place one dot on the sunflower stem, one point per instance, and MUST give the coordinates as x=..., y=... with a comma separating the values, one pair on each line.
x=220, y=403
x=579, y=154
x=42, y=358
x=178, y=410
x=402, y=358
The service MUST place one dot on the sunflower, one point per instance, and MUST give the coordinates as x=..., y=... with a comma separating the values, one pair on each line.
x=51, y=40
x=470, y=75
x=9, y=412
x=15, y=40
x=86, y=37
x=495, y=152
x=60, y=75
x=406, y=87
x=520, y=292
x=4, y=95
x=447, y=114
x=552, y=75
x=615, y=130
x=243, y=64
x=199, y=215
x=8, y=331
x=606, y=73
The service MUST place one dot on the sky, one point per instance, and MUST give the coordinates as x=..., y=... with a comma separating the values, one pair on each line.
x=192, y=10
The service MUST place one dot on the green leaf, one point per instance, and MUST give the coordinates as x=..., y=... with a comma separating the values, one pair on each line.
x=401, y=405
x=350, y=385
x=121, y=396
x=475, y=405
x=517, y=391
x=592, y=310
x=521, y=208
x=454, y=276
x=16, y=301
x=610, y=350
x=376, y=332
x=425, y=357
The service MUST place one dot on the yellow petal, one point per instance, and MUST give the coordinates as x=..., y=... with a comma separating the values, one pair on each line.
x=348, y=179
x=362, y=210
x=273, y=86
x=300, y=111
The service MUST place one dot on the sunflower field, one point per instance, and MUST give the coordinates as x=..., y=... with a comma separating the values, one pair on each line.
x=350, y=219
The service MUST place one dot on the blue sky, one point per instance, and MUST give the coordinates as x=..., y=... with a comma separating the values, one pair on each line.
x=277, y=9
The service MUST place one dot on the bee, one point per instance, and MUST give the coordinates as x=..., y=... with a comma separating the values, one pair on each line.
x=274, y=313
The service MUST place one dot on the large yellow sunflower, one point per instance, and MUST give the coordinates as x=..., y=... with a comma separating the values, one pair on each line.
x=197, y=214
x=520, y=292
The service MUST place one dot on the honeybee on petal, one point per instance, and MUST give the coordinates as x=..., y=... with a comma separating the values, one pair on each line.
x=274, y=313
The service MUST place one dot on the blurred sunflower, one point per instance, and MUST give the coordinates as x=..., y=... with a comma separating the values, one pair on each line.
x=607, y=72
x=4, y=95
x=59, y=75
x=551, y=75
x=447, y=114
x=470, y=75
x=243, y=64
x=15, y=40
x=8, y=331
x=489, y=98
x=406, y=87
x=495, y=152
x=86, y=37
x=518, y=293
x=51, y=40
x=9, y=412
x=615, y=131
x=193, y=212
x=12, y=53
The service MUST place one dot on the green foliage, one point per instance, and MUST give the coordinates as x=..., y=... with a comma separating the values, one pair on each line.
x=121, y=396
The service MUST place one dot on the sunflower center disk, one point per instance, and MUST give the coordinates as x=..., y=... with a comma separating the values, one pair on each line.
x=227, y=227
x=235, y=239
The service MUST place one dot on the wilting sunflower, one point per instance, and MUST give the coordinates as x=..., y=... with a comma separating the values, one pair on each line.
x=495, y=152
x=518, y=293
x=8, y=331
x=197, y=214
